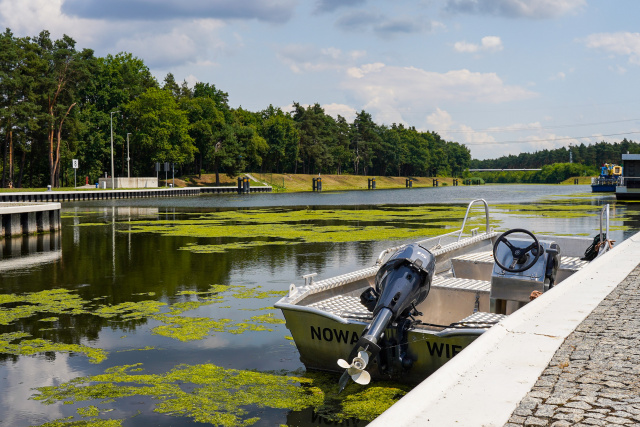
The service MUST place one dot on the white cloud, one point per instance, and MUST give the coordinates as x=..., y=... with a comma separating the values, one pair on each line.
x=345, y=111
x=184, y=42
x=383, y=25
x=487, y=44
x=391, y=90
x=494, y=142
x=622, y=43
x=307, y=58
x=30, y=17
x=533, y=9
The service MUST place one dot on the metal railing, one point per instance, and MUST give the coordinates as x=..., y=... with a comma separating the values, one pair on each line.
x=604, y=233
x=457, y=234
x=623, y=179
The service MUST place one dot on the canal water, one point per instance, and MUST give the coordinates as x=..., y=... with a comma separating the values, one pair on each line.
x=160, y=311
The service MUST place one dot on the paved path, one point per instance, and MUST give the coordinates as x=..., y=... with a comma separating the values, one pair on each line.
x=594, y=377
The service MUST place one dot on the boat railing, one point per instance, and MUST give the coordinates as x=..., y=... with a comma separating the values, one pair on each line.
x=604, y=230
x=466, y=215
x=436, y=242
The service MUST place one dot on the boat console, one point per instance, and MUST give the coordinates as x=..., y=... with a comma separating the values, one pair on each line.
x=522, y=266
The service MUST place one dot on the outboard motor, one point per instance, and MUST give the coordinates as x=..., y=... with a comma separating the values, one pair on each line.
x=401, y=283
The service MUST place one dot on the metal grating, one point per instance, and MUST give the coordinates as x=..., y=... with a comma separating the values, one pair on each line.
x=566, y=262
x=480, y=320
x=464, y=284
x=344, y=306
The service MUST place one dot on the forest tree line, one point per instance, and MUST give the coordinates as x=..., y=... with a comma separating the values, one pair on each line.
x=58, y=103
x=592, y=156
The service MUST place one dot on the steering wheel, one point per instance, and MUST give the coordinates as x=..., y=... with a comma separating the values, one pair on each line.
x=516, y=252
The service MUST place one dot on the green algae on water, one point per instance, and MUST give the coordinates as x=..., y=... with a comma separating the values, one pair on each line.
x=89, y=411
x=66, y=422
x=173, y=324
x=226, y=397
x=220, y=396
x=253, y=228
x=38, y=345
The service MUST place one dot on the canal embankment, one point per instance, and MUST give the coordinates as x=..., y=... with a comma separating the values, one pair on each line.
x=80, y=195
x=569, y=357
x=28, y=218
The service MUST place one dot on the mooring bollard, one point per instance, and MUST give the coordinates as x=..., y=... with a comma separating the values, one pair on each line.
x=240, y=185
x=317, y=184
x=435, y=182
x=372, y=183
x=247, y=185
x=409, y=183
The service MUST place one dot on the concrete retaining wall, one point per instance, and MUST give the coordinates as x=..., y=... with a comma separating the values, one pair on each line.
x=28, y=218
x=71, y=196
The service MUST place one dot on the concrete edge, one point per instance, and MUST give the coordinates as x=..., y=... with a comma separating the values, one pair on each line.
x=483, y=385
x=25, y=207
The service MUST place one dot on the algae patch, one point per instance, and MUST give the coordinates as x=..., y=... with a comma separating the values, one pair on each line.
x=253, y=228
x=225, y=397
x=175, y=325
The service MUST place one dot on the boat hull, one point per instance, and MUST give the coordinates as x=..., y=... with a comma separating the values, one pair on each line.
x=603, y=188
x=322, y=340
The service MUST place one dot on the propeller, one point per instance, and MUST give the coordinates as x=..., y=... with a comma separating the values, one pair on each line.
x=355, y=370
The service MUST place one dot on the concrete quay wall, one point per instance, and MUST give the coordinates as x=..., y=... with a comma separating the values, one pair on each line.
x=28, y=218
x=567, y=358
x=72, y=196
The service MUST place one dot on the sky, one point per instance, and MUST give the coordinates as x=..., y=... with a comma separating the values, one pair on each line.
x=500, y=76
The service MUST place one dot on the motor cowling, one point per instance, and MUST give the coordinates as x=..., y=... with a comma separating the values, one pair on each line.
x=404, y=280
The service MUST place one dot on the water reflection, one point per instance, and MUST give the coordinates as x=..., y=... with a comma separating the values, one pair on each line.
x=29, y=251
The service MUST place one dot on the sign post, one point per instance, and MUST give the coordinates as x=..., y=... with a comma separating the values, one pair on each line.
x=166, y=174
x=74, y=164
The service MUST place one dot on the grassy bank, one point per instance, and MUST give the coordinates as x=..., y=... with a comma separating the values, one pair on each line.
x=303, y=182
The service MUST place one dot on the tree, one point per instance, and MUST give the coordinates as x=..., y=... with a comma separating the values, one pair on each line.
x=162, y=128
x=65, y=71
x=365, y=141
x=282, y=137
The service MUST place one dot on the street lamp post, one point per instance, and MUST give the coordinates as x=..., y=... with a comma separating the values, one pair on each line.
x=112, y=172
x=128, y=158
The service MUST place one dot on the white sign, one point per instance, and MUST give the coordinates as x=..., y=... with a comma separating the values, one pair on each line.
x=74, y=163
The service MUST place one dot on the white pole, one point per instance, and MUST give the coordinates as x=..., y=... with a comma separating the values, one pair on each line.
x=128, y=158
x=112, y=174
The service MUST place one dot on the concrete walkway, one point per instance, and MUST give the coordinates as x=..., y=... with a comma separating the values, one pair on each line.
x=593, y=379
x=572, y=357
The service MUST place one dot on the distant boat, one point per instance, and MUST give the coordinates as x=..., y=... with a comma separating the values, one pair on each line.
x=610, y=177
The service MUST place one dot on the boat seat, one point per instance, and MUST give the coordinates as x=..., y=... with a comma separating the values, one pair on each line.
x=479, y=265
x=453, y=298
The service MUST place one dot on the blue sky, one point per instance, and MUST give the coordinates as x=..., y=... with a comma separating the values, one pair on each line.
x=501, y=76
